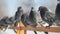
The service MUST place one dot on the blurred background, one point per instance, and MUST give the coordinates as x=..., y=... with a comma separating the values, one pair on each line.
x=9, y=7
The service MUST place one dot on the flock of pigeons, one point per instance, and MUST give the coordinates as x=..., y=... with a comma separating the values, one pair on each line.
x=45, y=14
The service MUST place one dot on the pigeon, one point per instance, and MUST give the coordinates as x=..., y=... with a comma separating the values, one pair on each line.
x=3, y=23
x=57, y=14
x=13, y=21
x=29, y=19
x=18, y=15
x=46, y=16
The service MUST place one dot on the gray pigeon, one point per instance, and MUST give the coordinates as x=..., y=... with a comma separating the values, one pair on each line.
x=3, y=23
x=6, y=22
x=46, y=16
x=29, y=19
x=57, y=14
x=18, y=15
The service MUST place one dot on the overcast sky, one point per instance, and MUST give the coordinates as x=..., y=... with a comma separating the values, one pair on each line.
x=27, y=4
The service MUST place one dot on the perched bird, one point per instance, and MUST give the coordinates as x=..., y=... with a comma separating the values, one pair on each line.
x=6, y=22
x=14, y=21
x=29, y=19
x=11, y=22
x=3, y=23
x=32, y=17
x=18, y=15
x=57, y=14
x=46, y=16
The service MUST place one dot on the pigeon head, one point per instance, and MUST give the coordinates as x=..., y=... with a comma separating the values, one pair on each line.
x=20, y=10
x=42, y=10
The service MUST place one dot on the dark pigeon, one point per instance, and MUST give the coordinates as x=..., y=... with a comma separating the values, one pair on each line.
x=3, y=23
x=18, y=15
x=29, y=19
x=57, y=14
x=46, y=16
